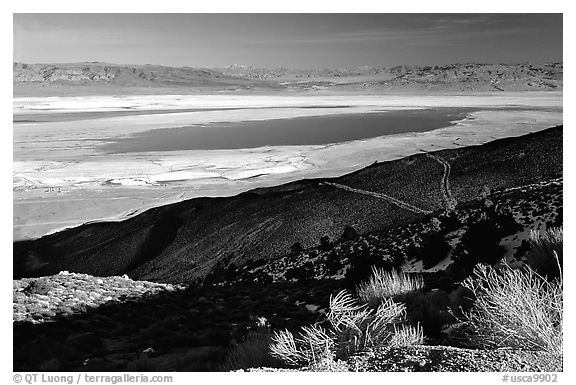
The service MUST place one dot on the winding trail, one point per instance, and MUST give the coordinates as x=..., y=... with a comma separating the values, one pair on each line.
x=390, y=199
x=530, y=186
x=451, y=202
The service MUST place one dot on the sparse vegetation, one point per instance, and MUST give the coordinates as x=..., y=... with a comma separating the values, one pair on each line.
x=301, y=273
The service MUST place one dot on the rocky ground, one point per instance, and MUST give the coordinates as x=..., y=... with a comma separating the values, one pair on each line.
x=38, y=300
x=424, y=358
x=451, y=359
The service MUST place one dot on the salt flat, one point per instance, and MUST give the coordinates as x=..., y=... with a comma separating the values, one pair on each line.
x=62, y=177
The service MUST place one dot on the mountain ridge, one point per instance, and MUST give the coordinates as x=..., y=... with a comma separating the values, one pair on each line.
x=473, y=77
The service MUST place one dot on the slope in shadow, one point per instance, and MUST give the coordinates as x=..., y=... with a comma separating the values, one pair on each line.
x=185, y=330
x=161, y=235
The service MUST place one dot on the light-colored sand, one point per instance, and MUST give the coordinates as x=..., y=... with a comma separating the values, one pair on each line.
x=61, y=179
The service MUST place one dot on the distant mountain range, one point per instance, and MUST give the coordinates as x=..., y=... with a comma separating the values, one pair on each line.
x=120, y=75
x=455, y=77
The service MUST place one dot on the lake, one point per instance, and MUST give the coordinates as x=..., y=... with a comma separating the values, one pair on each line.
x=316, y=130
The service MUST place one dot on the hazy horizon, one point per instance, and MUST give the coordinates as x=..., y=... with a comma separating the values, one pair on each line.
x=286, y=67
x=296, y=41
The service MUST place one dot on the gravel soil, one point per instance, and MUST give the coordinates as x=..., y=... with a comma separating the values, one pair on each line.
x=424, y=358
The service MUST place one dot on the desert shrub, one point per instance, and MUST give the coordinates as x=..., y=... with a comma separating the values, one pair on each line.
x=456, y=271
x=351, y=327
x=358, y=327
x=559, y=220
x=333, y=263
x=223, y=272
x=349, y=234
x=261, y=277
x=461, y=299
x=231, y=273
x=515, y=308
x=301, y=273
x=480, y=243
x=40, y=286
x=312, y=345
x=449, y=222
x=296, y=248
x=545, y=253
x=432, y=250
x=431, y=310
x=325, y=244
x=217, y=273
x=383, y=285
x=506, y=223
x=522, y=250
x=362, y=262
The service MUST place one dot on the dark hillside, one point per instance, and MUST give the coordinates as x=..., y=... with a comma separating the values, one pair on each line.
x=185, y=241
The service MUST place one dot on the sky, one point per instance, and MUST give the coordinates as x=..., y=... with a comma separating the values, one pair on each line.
x=304, y=41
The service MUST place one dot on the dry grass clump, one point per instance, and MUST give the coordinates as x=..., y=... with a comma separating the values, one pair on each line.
x=407, y=335
x=393, y=284
x=515, y=308
x=351, y=327
x=546, y=255
x=313, y=345
x=548, y=241
x=358, y=327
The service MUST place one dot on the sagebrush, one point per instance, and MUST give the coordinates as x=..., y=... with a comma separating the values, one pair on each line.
x=351, y=327
x=515, y=308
